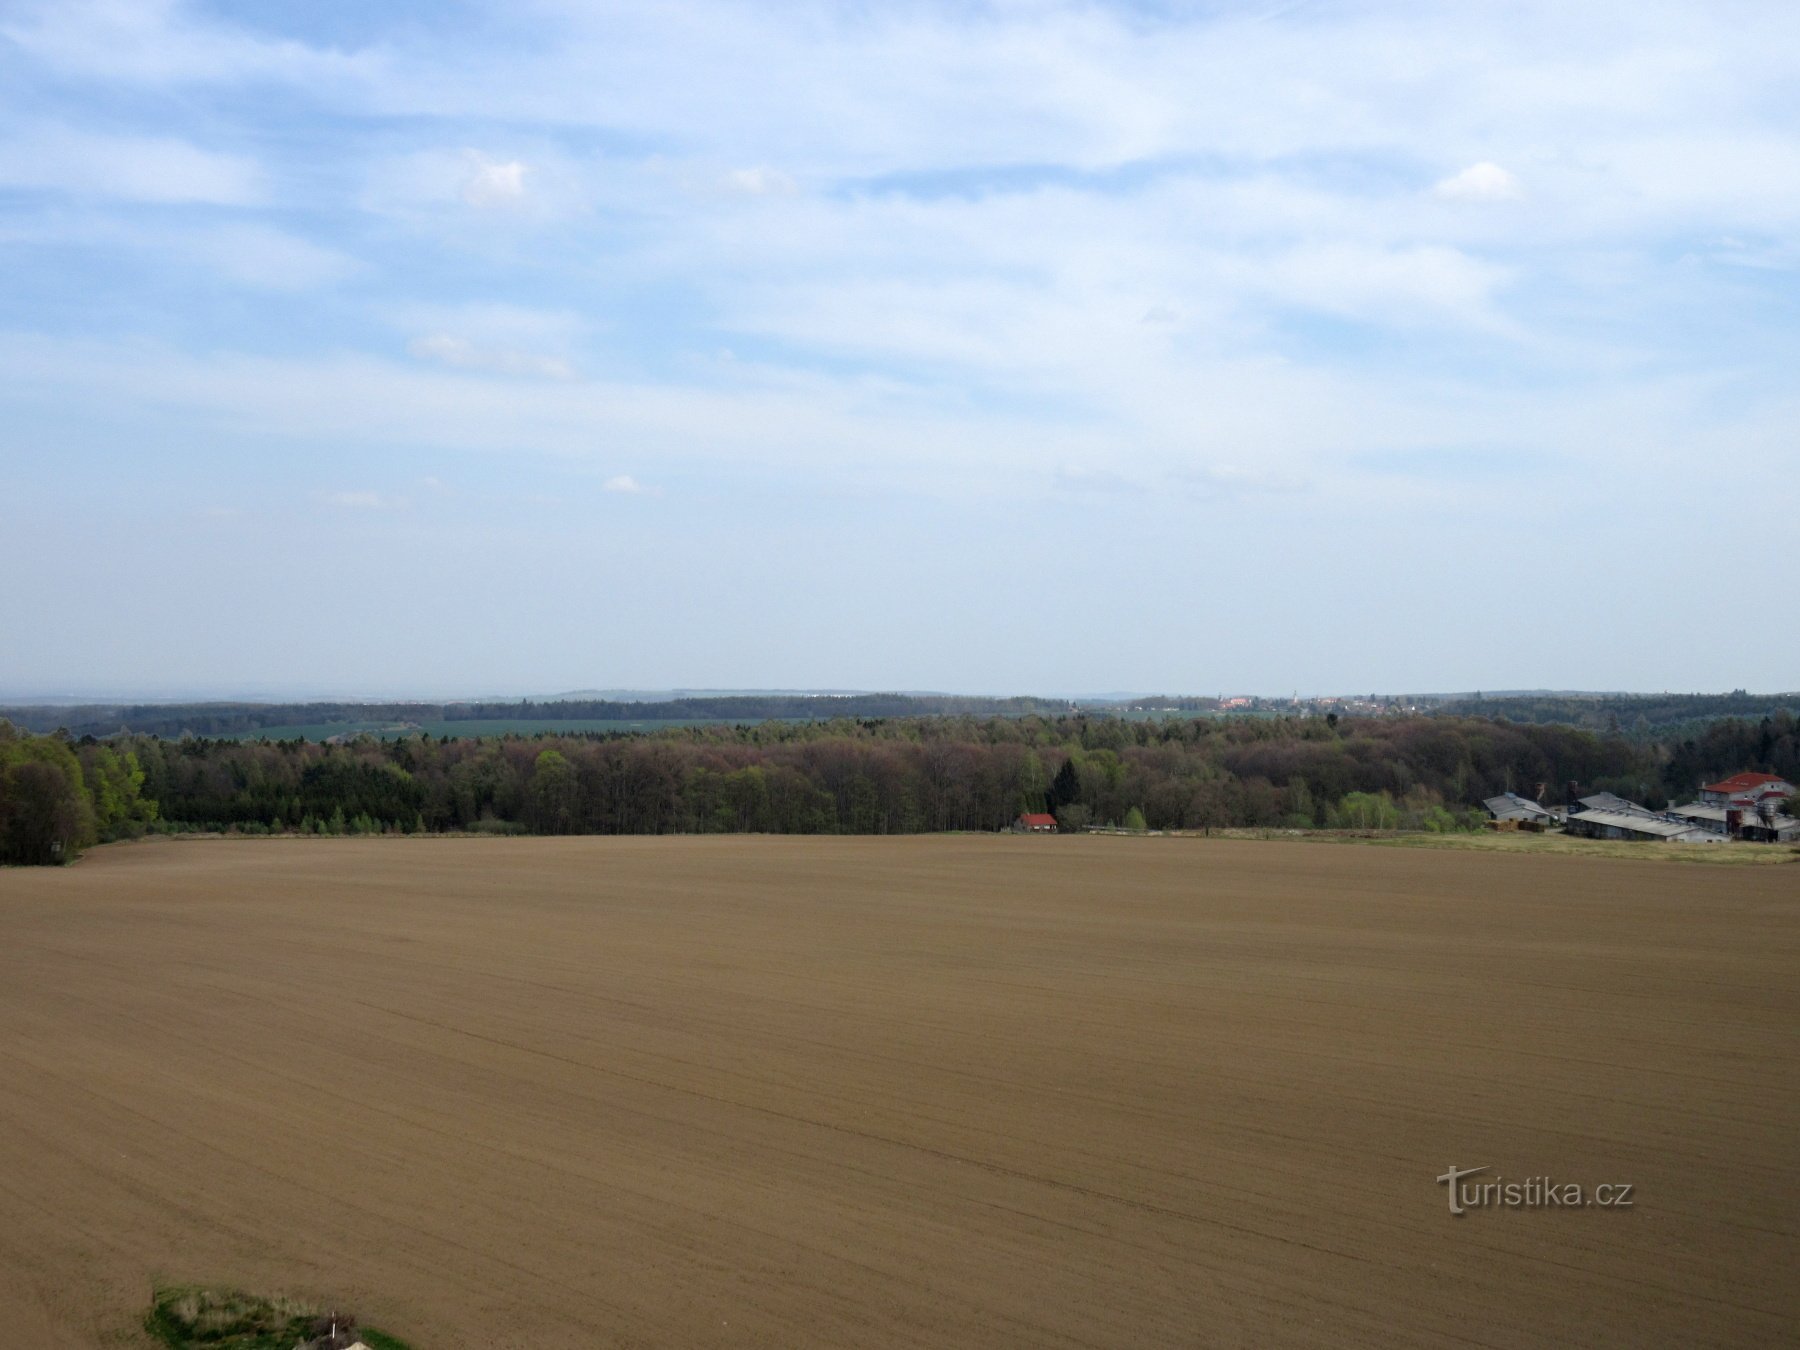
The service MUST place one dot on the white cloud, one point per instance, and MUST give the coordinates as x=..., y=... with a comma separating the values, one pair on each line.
x=624, y=483
x=461, y=354
x=491, y=182
x=1483, y=182
x=49, y=157
x=759, y=182
x=1239, y=426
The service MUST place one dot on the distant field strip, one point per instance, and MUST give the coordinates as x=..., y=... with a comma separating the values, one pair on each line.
x=968, y=1091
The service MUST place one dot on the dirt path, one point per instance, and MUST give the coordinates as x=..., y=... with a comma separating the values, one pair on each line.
x=922, y=1092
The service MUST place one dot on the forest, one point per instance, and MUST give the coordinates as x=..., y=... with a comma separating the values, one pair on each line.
x=59, y=793
x=238, y=719
x=1639, y=716
x=1642, y=717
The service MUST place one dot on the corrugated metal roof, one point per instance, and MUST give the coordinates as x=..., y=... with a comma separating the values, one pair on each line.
x=1644, y=824
x=1511, y=806
x=1611, y=801
x=1699, y=811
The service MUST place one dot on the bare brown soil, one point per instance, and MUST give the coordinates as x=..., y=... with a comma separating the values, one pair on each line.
x=921, y=1092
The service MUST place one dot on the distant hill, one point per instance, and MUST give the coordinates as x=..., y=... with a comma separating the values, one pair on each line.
x=241, y=719
x=1630, y=714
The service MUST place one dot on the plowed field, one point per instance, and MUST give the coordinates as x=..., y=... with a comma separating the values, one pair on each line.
x=918, y=1092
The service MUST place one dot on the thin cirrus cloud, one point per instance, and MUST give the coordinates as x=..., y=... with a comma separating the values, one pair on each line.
x=261, y=256
x=1136, y=259
x=162, y=42
x=760, y=181
x=461, y=354
x=152, y=169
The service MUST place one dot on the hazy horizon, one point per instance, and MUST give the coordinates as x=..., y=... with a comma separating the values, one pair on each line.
x=1015, y=345
x=51, y=698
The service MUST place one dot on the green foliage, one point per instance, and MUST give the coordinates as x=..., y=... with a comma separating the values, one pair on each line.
x=115, y=783
x=1134, y=819
x=46, y=814
x=190, y=1317
x=1367, y=811
x=881, y=776
x=553, y=796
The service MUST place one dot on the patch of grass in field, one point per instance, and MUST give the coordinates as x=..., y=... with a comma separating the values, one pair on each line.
x=191, y=1317
x=1523, y=841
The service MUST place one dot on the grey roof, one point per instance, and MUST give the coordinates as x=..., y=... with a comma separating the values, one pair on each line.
x=1639, y=824
x=1511, y=806
x=1611, y=801
x=1699, y=811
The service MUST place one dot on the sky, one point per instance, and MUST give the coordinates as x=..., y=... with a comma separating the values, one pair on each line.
x=463, y=348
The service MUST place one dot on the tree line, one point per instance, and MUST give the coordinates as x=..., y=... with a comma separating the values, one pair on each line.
x=57, y=797
x=1668, y=717
x=853, y=776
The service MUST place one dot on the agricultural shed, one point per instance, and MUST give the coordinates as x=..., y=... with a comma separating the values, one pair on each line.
x=1702, y=815
x=1511, y=806
x=1767, y=829
x=1617, y=805
x=1623, y=825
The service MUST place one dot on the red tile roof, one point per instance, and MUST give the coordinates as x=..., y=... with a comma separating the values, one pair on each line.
x=1742, y=782
x=1037, y=819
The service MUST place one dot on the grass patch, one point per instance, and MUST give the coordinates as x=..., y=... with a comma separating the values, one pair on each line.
x=1507, y=841
x=192, y=1317
x=1524, y=841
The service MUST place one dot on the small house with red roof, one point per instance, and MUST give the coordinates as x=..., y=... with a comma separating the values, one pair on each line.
x=1035, y=822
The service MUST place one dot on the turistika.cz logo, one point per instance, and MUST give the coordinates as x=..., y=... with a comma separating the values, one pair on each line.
x=1496, y=1192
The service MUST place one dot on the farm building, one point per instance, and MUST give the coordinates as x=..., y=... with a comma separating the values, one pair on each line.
x=1510, y=806
x=1745, y=806
x=1035, y=822
x=1617, y=805
x=1738, y=821
x=1702, y=816
x=1638, y=824
x=1752, y=787
x=1771, y=827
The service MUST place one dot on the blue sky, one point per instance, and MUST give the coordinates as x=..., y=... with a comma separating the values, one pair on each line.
x=1025, y=346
